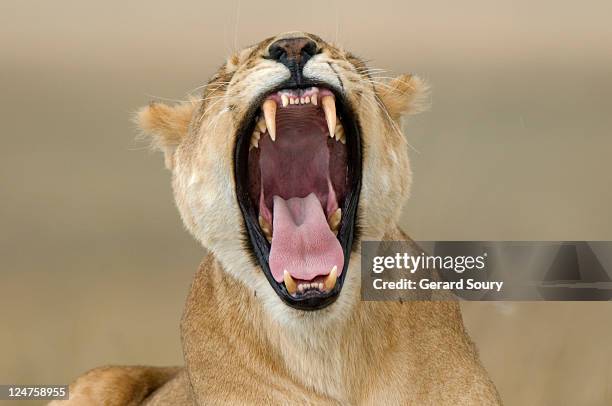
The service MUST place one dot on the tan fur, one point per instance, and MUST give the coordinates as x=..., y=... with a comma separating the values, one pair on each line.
x=241, y=343
x=403, y=95
x=117, y=385
x=167, y=125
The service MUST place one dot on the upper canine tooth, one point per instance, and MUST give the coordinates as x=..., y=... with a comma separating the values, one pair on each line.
x=290, y=283
x=261, y=125
x=329, y=107
x=313, y=99
x=334, y=220
x=330, y=281
x=284, y=100
x=269, y=110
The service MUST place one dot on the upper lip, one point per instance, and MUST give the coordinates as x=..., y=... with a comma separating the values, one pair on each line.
x=256, y=238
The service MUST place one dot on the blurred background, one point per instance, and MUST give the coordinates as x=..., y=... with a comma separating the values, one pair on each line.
x=94, y=261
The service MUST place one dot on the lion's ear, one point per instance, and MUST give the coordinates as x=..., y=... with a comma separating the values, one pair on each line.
x=166, y=125
x=404, y=94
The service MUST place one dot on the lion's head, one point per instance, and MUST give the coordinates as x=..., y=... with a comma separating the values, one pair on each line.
x=291, y=156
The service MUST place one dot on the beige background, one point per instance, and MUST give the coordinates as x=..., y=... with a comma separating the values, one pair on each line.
x=94, y=261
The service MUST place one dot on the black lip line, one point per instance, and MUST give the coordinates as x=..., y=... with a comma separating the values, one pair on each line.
x=257, y=241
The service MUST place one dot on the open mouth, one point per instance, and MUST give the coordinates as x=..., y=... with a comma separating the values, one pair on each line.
x=298, y=175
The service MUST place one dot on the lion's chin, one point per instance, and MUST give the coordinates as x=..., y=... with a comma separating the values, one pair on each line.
x=298, y=167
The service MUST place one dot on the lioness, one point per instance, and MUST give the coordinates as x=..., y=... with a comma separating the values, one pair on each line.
x=292, y=156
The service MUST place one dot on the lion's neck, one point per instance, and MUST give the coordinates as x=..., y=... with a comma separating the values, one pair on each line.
x=337, y=359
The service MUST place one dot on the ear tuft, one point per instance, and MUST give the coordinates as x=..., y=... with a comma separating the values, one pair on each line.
x=166, y=125
x=404, y=94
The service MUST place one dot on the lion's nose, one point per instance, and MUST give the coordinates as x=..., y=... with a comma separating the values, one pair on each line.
x=293, y=52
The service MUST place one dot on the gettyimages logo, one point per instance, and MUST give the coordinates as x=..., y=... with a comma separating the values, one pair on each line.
x=413, y=263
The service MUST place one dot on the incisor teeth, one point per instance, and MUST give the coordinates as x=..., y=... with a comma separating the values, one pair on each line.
x=284, y=100
x=302, y=100
x=266, y=228
x=290, y=283
x=334, y=220
x=329, y=107
x=313, y=99
x=330, y=281
x=307, y=99
x=269, y=110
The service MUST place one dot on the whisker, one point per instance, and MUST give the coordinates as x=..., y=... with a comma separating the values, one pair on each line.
x=369, y=69
x=216, y=119
x=213, y=105
x=207, y=84
x=394, y=124
x=213, y=97
x=151, y=96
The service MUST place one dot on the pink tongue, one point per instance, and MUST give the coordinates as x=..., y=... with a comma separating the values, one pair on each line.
x=302, y=242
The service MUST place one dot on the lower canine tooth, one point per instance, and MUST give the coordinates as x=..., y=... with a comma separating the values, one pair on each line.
x=290, y=283
x=269, y=110
x=330, y=281
x=329, y=107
